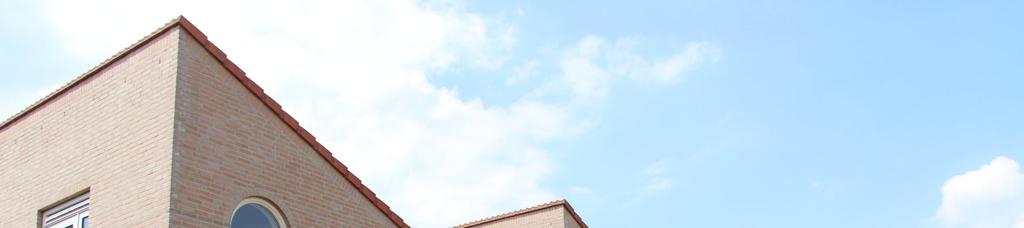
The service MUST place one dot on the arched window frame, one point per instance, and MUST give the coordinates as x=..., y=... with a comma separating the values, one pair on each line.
x=274, y=210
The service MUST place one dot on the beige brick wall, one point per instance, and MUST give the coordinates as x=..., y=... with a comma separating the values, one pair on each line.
x=552, y=217
x=111, y=134
x=229, y=146
x=570, y=222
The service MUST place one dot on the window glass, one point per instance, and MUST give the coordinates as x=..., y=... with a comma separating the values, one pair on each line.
x=253, y=215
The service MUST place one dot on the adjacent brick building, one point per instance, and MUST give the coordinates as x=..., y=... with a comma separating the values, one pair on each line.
x=171, y=133
x=557, y=214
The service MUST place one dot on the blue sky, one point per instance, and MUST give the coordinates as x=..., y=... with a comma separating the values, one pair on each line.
x=640, y=113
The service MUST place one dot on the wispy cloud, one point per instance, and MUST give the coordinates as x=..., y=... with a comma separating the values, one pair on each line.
x=592, y=65
x=657, y=181
x=671, y=70
x=990, y=197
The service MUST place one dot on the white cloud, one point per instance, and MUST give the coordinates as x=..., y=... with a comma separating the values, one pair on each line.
x=355, y=73
x=990, y=197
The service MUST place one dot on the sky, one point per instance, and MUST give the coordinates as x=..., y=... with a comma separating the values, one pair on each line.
x=639, y=113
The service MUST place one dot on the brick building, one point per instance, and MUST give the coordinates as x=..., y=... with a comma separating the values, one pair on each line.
x=171, y=133
x=557, y=214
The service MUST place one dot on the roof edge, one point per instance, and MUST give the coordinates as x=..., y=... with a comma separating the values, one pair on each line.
x=237, y=72
x=499, y=217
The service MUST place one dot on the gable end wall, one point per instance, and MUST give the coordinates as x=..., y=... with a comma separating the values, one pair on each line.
x=229, y=146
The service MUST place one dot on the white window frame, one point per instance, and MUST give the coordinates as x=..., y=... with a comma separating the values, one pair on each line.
x=281, y=223
x=68, y=214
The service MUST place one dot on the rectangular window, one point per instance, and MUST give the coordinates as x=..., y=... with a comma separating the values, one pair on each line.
x=71, y=214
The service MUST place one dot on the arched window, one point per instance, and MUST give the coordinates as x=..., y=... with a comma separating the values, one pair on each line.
x=257, y=213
